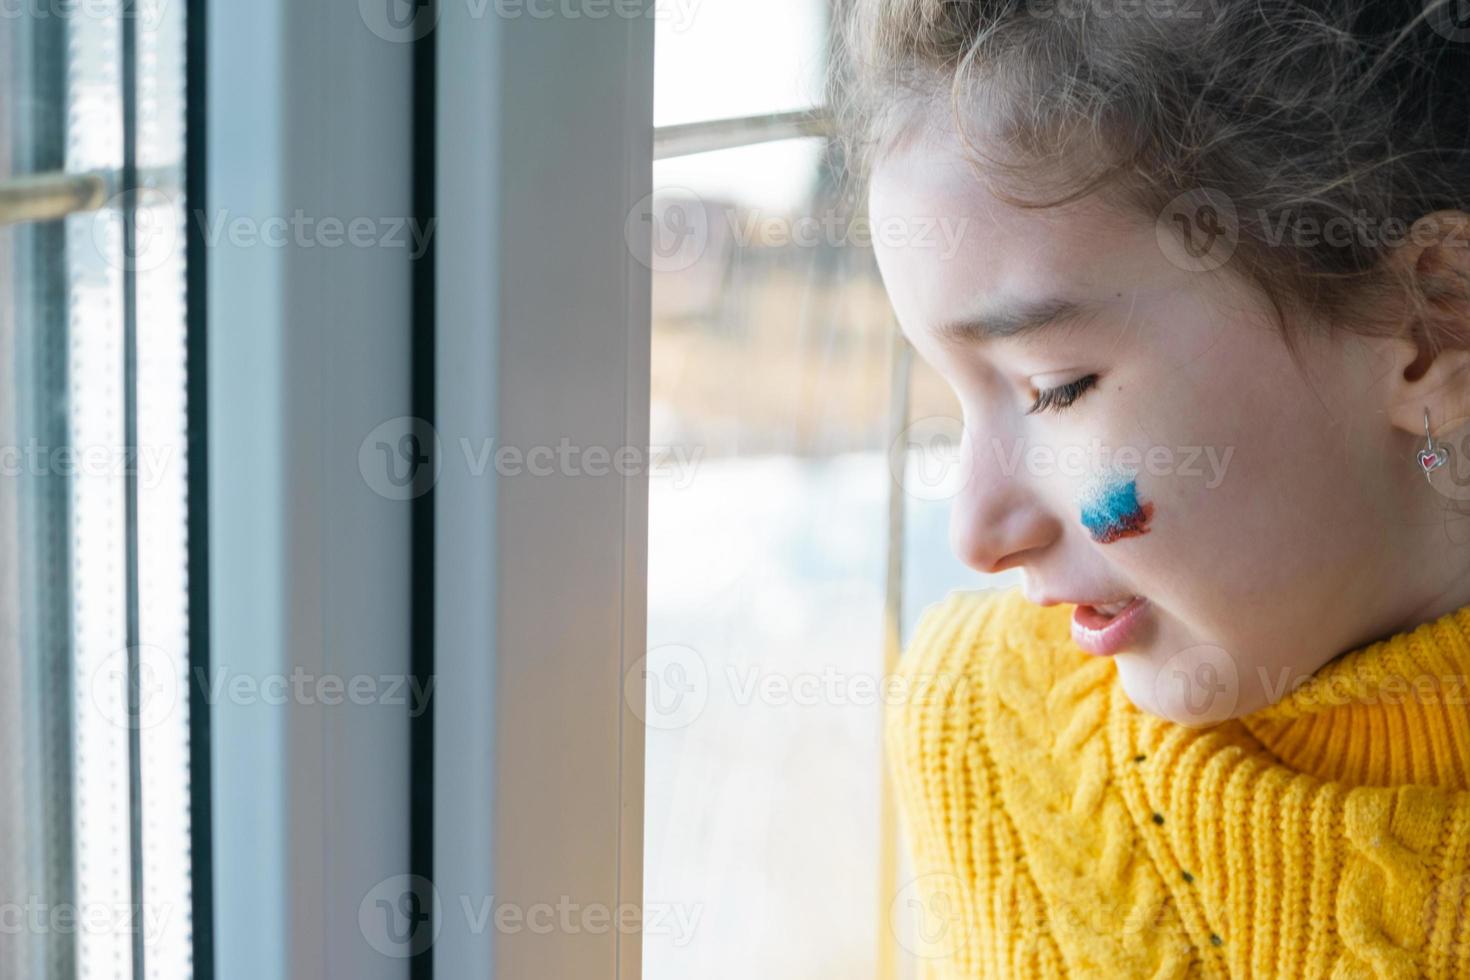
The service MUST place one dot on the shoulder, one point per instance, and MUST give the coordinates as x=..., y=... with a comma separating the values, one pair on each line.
x=985, y=673
x=980, y=706
x=988, y=636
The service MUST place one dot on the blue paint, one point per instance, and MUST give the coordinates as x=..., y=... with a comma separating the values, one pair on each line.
x=1111, y=509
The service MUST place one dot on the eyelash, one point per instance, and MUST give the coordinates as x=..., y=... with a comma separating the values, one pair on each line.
x=1062, y=396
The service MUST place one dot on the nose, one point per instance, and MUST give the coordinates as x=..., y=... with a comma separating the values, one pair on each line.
x=997, y=520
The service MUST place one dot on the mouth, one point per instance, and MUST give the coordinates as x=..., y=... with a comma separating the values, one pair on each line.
x=1107, y=610
x=1106, y=628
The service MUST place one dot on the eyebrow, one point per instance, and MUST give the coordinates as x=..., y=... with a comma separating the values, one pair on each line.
x=1015, y=320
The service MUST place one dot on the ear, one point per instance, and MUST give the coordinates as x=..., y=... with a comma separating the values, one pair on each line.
x=1431, y=359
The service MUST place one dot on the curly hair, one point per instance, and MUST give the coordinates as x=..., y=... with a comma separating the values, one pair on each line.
x=1352, y=114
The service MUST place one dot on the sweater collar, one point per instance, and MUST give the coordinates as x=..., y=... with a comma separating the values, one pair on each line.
x=1392, y=712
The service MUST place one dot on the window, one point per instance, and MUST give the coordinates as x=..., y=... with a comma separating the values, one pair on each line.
x=393, y=831
x=798, y=530
x=95, y=781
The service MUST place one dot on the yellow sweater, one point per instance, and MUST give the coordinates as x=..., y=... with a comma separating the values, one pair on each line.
x=1056, y=830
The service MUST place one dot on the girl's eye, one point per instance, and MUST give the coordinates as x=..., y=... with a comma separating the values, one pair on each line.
x=1060, y=397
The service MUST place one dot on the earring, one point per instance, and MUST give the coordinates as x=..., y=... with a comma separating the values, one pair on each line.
x=1431, y=457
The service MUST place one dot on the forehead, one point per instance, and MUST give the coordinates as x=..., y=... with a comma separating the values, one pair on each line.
x=992, y=251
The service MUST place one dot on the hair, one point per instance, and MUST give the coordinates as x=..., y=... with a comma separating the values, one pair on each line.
x=1295, y=111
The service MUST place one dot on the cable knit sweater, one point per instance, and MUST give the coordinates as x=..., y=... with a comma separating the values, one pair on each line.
x=1056, y=830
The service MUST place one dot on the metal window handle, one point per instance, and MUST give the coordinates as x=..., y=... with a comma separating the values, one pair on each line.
x=49, y=196
x=685, y=139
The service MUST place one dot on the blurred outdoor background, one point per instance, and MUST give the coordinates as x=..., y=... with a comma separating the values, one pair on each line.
x=779, y=374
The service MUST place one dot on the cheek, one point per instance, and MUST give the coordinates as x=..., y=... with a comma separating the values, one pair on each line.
x=1111, y=508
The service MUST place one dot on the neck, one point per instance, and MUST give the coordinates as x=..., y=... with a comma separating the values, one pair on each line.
x=1388, y=713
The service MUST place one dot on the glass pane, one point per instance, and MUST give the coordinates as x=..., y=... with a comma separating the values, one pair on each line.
x=771, y=363
x=36, y=680
x=717, y=59
x=162, y=474
x=94, y=865
x=95, y=414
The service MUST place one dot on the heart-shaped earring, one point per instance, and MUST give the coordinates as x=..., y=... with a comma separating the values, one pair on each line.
x=1431, y=457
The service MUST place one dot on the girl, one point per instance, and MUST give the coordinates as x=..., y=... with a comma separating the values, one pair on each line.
x=1222, y=730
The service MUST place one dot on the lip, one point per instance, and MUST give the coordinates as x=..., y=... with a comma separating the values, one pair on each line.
x=1107, y=637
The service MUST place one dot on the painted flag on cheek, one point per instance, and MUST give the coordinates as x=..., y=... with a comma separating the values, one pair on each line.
x=1111, y=509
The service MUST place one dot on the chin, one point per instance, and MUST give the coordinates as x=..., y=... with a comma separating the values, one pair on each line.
x=1198, y=686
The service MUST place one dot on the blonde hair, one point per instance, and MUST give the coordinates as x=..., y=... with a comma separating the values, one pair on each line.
x=1352, y=111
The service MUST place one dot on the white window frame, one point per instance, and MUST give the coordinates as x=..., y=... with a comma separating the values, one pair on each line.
x=543, y=311
x=543, y=330
x=307, y=352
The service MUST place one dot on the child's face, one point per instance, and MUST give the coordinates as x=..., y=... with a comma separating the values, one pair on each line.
x=1269, y=514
